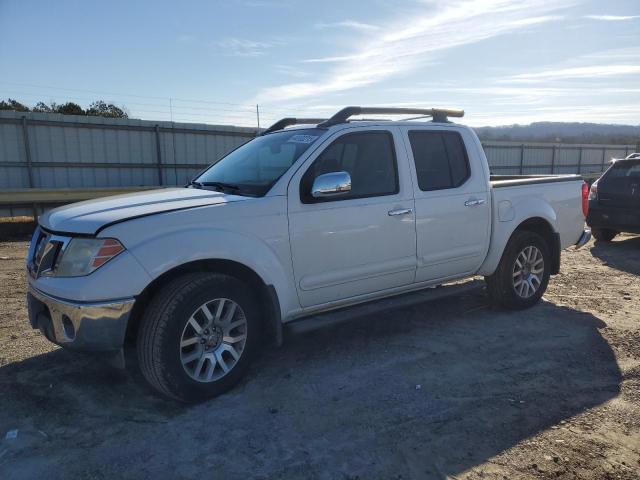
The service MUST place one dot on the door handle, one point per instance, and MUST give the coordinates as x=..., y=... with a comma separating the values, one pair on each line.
x=474, y=202
x=400, y=211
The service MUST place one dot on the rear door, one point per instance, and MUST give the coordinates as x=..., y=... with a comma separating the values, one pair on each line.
x=453, y=215
x=361, y=242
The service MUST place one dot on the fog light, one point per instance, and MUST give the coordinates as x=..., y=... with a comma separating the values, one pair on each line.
x=69, y=329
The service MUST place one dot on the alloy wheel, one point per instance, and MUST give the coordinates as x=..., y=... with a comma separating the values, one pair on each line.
x=213, y=340
x=528, y=271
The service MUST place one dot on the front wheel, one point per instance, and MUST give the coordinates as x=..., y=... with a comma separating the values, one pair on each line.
x=523, y=273
x=197, y=336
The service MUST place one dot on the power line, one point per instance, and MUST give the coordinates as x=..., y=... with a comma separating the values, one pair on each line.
x=174, y=108
x=98, y=92
x=166, y=109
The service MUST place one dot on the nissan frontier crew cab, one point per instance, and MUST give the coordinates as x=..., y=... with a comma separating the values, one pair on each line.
x=323, y=215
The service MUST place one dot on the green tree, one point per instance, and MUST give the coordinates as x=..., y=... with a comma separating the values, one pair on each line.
x=70, y=108
x=11, y=104
x=103, y=109
x=42, y=107
x=99, y=108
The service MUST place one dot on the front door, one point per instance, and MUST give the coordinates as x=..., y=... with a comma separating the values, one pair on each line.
x=362, y=241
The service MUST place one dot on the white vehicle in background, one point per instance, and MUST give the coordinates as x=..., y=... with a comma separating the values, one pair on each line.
x=297, y=222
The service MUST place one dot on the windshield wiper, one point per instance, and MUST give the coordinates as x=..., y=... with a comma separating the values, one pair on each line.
x=221, y=186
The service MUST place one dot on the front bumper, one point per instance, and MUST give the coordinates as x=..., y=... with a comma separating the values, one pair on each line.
x=93, y=327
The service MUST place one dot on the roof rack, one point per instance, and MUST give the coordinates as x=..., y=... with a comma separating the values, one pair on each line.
x=285, y=122
x=438, y=114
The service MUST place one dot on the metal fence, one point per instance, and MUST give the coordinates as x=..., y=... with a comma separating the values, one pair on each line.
x=531, y=158
x=51, y=151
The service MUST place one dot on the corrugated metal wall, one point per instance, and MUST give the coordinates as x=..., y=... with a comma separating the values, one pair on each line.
x=39, y=150
x=72, y=151
x=508, y=158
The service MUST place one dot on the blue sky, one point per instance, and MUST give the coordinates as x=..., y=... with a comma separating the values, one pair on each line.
x=503, y=61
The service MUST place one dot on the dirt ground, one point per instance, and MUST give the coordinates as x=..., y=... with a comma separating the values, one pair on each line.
x=450, y=389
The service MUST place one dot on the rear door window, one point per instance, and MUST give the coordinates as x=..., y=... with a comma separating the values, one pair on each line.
x=620, y=186
x=625, y=169
x=440, y=158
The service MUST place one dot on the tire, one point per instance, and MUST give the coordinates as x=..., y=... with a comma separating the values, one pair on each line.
x=603, y=234
x=168, y=336
x=505, y=288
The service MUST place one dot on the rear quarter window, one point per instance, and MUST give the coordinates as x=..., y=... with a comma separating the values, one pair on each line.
x=624, y=169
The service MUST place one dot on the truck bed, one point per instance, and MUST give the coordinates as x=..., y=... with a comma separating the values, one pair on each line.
x=498, y=181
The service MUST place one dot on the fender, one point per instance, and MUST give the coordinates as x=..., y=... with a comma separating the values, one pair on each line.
x=506, y=220
x=210, y=244
x=162, y=244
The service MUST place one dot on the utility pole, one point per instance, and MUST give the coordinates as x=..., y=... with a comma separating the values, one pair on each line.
x=171, y=108
x=258, y=115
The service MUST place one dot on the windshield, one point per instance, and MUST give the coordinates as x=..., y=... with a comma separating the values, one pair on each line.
x=253, y=168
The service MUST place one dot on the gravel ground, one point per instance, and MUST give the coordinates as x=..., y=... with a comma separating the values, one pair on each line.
x=449, y=389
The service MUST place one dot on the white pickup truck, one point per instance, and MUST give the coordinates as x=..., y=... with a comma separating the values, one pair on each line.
x=295, y=223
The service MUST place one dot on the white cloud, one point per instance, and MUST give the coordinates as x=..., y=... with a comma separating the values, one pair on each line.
x=336, y=59
x=535, y=20
x=291, y=71
x=612, y=18
x=241, y=47
x=417, y=40
x=350, y=24
x=593, y=71
x=630, y=53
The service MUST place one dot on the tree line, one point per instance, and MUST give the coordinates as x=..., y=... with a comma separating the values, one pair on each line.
x=99, y=108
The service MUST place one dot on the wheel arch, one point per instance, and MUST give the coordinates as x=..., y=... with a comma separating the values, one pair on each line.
x=543, y=228
x=267, y=295
x=539, y=224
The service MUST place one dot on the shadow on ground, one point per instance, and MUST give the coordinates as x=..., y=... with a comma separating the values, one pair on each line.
x=622, y=254
x=424, y=392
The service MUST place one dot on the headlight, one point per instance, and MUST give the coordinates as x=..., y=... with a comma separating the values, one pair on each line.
x=84, y=255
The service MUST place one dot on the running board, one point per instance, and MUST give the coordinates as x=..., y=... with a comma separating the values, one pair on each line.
x=396, y=302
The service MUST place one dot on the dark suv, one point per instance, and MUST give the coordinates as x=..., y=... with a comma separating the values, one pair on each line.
x=614, y=200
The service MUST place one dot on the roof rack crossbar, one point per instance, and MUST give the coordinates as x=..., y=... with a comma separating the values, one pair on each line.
x=438, y=114
x=285, y=122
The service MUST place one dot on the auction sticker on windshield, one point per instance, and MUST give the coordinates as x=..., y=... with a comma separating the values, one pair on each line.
x=302, y=138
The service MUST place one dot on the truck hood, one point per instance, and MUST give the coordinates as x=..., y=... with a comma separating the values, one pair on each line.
x=90, y=216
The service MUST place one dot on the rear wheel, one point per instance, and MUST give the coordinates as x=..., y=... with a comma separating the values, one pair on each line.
x=197, y=336
x=523, y=273
x=603, y=234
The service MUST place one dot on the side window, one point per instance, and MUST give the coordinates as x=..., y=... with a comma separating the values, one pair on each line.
x=624, y=169
x=369, y=157
x=440, y=158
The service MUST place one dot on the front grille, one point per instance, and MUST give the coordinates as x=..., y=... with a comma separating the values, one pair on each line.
x=44, y=252
x=38, y=242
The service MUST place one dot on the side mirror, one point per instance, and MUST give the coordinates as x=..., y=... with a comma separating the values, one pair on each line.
x=331, y=185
